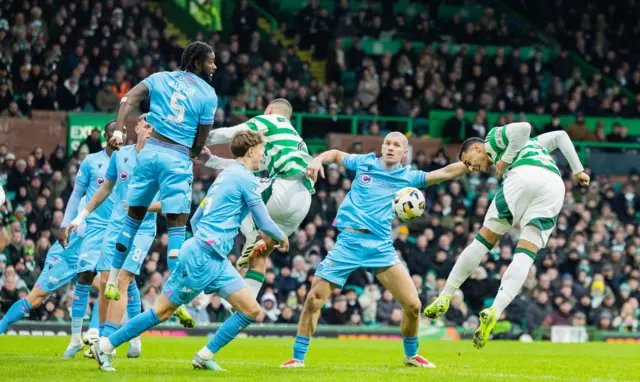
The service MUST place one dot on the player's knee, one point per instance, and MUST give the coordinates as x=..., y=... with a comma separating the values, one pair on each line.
x=124, y=278
x=489, y=235
x=314, y=301
x=412, y=308
x=137, y=213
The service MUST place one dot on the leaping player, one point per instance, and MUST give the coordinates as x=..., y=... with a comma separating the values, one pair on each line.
x=183, y=104
x=532, y=193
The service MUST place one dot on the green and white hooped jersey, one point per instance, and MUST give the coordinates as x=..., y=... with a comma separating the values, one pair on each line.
x=285, y=153
x=532, y=154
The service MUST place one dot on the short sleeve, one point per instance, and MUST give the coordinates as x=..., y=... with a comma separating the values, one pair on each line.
x=417, y=178
x=112, y=170
x=150, y=81
x=351, y=161
x=84, y=173
x=209, y=106
x=250, y=189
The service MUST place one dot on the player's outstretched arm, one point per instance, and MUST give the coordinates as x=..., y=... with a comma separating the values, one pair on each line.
x=132, y=98
x=327, y=157
x=98, y=198
x=224, y=134
x=450, y=172
x=560, y=140
x=212, y=161
x=517, y=135
x=71, y=211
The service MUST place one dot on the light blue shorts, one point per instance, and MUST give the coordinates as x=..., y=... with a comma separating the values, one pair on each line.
x=141, y=245
x=164, y=169
x=355, y=250
x=60, y=265
x=201, y=269
x=91, y=249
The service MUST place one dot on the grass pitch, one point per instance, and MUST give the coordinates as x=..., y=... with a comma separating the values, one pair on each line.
x=258, y=359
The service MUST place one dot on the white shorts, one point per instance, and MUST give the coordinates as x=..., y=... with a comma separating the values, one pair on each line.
x=530, y=195
x=287, y=200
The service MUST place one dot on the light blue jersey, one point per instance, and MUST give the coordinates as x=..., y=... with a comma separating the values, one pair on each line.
x=121, y=169
x=179, y=102
x=91, y=176
x=367, y=208
x=368, y=205
x=226, y=205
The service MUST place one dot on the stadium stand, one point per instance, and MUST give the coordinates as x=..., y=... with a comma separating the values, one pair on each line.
x=460, y=67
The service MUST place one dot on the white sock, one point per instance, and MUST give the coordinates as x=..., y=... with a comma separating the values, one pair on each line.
x=254, y=287
x=105, y=345
x=467, y=262
x=205, y=353
x=512, y=280
x=92, y=332
x=113, y=276
x=76, y=339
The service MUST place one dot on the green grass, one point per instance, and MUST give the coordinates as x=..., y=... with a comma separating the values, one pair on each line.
x=38, y=358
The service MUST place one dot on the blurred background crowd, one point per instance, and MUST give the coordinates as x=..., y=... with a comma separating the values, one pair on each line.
x=85, y=55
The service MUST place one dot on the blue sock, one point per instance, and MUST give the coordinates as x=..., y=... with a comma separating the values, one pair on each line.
x=410, y=346
x=176, y=238
x=15, y=313
x=134, y=307
x=95, y=317
x=109, y=328
x=300, y=347
x=129, y=231
x=118, y=259
x=135, y=327
x=228, y=331
x=79, y=307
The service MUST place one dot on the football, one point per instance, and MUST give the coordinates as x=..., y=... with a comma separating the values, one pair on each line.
x=408, y=203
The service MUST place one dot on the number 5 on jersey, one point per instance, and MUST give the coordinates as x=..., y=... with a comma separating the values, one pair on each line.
x=175, y=105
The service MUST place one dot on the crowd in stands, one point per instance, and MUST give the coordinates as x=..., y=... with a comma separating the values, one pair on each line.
x=85, y=55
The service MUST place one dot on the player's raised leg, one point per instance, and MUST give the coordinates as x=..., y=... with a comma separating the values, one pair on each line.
x=318, y=295
x=398, y=281
x=23, y=306
x=467, y=262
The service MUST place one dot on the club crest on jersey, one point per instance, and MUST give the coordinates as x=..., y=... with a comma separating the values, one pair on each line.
x=123, y=175
x=100, y=181
x=365, y=178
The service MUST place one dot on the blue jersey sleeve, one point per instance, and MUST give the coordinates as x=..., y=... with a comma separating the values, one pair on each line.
x=351, y=161
x=112, y=170
x=417, y=178
x=150, y=81
x=83, y=177
x=250, y=190
x=209, y=106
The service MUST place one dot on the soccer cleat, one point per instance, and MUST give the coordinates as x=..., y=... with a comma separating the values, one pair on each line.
x=209, y=364
x=437, y=307
x=418, y=361
x=71, y=351
x=105, y=360
x=135, y=348
x=487, y=322
x=292, y=363
x=185, y=318
x=251, y=251
x=111, y=292
x=87, y=353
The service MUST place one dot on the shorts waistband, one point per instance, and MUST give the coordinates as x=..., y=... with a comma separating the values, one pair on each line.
x=205, y=246
x=357, y=230
x=175, y=147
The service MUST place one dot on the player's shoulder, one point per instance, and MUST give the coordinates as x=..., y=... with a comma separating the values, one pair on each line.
x=369, y=158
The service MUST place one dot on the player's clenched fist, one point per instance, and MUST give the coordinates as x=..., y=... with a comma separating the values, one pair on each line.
x=583, y=179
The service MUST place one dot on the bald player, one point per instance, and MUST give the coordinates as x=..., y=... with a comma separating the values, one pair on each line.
x=286, y=192
x=364, y=219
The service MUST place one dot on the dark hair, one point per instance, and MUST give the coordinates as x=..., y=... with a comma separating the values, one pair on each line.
x=195, y=52
x=466, y=145
x=243, y=141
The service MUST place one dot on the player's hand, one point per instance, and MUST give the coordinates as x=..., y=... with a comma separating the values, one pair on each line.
x=583, y=179
x=125, y=205
x=314, y=168
x=63, y=237
x=501, y=166
x=205, y=154
x=116, y=142
x=283, y=244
